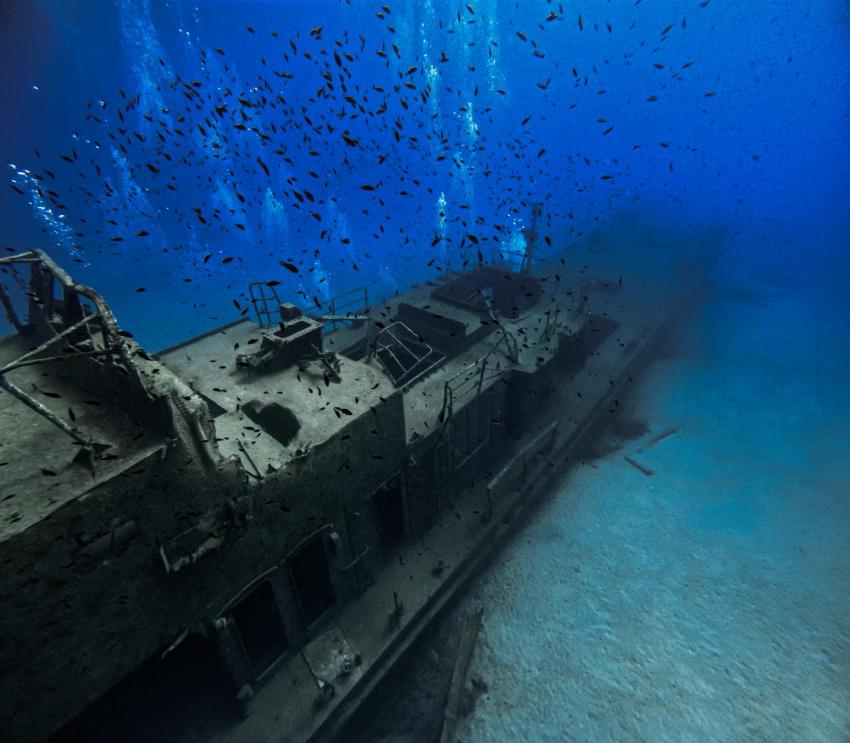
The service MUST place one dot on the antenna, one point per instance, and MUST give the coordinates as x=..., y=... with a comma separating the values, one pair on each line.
x=531, y=235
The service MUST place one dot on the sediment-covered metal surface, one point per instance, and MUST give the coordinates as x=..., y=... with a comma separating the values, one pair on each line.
x=307, y=501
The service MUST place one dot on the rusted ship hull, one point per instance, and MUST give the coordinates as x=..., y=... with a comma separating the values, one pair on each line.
x=308, y=504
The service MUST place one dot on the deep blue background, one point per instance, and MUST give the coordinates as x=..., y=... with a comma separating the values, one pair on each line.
x=748, y=145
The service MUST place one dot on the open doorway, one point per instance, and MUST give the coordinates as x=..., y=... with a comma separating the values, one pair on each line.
x=311, y=578
x=388, y=505
x=257, y=618
x=185, y=696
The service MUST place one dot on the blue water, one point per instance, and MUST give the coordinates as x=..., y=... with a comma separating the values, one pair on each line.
x=730, y=126
x=167, y=153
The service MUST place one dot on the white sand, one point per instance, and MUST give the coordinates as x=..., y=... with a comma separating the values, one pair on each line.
x=710, y=601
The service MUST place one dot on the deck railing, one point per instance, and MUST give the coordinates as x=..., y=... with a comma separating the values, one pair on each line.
x=82, y=330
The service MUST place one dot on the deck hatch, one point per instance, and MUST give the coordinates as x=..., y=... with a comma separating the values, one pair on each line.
x=275, y=419
x=404, y=356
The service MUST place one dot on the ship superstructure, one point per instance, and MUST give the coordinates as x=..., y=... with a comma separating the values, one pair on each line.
x=304, y=490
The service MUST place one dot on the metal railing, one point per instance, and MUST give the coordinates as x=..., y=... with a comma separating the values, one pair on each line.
x=83, y=331
x=260, y=292
x=351, y=303
x=470, y=379
x=341, y=309
x=448, y=457
x=517, y=261
x=405, y=361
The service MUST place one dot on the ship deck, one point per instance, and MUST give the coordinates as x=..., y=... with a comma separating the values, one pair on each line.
x=432, y=568
x=423, y=402
x=37, y=471
x=208, y=365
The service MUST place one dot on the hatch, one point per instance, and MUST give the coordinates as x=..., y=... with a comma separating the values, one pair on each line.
x=275, y=419
x=404, y=355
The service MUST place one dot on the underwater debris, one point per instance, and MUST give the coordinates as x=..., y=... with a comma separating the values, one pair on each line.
x=637, y=465
x=278, y=462
x=465, y=650
x=394, y=620
x=666, y=433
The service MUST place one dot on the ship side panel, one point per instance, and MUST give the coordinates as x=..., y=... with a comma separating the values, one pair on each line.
x=81, y=599
x=112, y=578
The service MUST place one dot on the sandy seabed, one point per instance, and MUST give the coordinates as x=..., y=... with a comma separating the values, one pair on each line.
x=709, y=601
